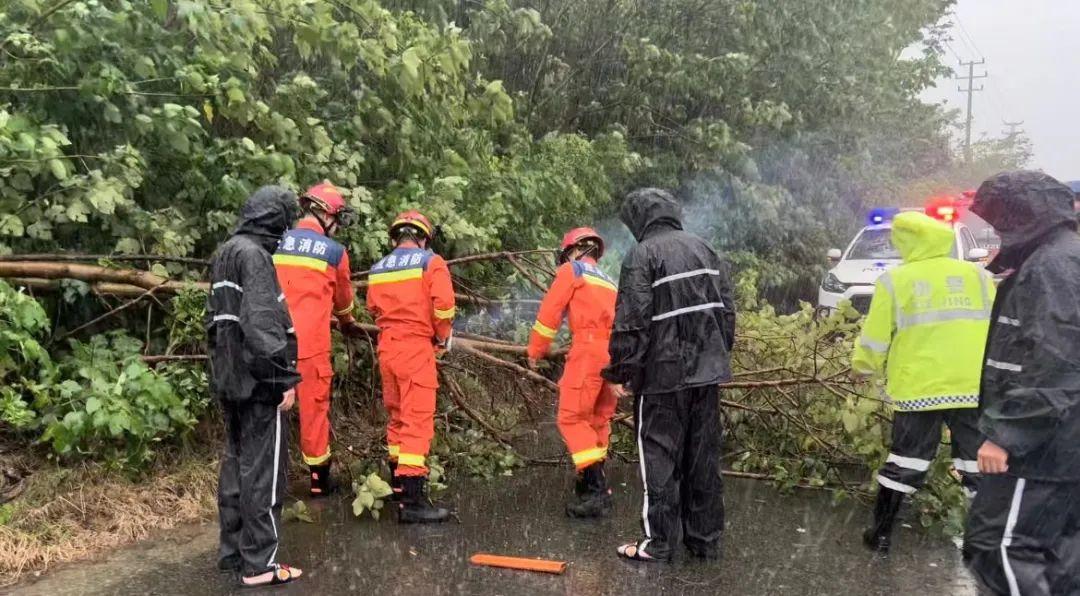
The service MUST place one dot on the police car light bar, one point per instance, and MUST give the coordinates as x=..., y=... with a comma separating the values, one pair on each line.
x=946, y=213
x=880, y=215
x=945, y=208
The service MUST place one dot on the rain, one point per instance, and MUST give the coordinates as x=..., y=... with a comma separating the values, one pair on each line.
x=540, y=297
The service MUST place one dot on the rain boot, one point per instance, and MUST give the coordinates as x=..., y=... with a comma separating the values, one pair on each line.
x=581, y=487
x=395, y=482
x=596, y=501
x=878, y=537
x=415, y=506
x=322, y=483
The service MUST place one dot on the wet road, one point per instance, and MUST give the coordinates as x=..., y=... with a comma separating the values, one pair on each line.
x=775, y=544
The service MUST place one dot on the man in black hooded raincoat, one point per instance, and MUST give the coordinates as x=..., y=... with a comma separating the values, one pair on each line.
x=674, y=328
x=253, y=371
x=1022, y=529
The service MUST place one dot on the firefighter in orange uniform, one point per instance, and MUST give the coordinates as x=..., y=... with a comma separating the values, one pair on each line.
x=586, y=402
x=313, y=271
x=411, y=296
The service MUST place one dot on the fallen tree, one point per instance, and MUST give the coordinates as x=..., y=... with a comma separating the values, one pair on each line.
x=792, y=414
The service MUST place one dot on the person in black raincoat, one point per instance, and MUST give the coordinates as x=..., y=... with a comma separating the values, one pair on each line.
x=1022, y=530
x=673, y=332
x=253, y=371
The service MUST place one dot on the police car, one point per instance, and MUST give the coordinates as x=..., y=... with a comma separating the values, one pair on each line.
x=872, y=253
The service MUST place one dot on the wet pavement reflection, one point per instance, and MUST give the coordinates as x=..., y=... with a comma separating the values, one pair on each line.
x=774, y=544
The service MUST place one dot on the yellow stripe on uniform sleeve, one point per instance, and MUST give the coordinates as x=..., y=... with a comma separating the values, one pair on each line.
x=589, y=456
x=410, y=459
x=394, y=276
x=596, y=281
x=299, y=261
x=544, y=330
x=446, y=314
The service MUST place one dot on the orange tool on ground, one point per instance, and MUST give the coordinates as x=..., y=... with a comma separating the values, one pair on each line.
x=541, y=565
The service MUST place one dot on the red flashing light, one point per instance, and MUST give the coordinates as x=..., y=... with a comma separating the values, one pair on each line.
x=945, y=209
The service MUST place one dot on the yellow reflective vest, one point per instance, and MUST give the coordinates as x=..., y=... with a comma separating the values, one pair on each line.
x=928, y=320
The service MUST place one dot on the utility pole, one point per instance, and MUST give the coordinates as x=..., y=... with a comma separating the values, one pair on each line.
x=970, y=77
x=1014, y=128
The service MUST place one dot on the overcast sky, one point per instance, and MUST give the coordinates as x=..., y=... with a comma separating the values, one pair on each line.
x=1032, y=52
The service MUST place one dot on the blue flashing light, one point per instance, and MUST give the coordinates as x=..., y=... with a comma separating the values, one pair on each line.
x=881, y=215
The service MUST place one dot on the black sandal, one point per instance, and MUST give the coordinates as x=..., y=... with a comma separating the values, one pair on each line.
x=636, y=552
x=282, y=574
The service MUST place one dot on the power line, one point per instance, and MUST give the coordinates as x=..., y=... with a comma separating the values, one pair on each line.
x=970, y=77
x=953, y=52
x=968, y=47
x=964, y=32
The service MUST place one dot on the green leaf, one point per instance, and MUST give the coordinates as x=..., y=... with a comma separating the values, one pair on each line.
x=112, y=113
x=58, y=168
x=358, y=506
x=11, y=225
x=179, y=142
x=93, y=405
x=104, y=198
x=851, y=421
x=128, y=246
x=77, y=211
x=366, y=499
x=145, y=67
x=40, y=230
x=378, y=487
x=235, y=96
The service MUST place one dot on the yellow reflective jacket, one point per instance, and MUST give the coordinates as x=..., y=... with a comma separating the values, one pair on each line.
x=928, y=320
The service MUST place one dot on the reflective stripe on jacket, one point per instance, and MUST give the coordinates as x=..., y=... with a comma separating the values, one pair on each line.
x=411, y=295
x=313, y=271
x=928, y=321
x=589, y=296
x=674, y=314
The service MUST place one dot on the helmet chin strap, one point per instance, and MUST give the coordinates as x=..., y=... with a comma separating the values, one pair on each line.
x=329, y=228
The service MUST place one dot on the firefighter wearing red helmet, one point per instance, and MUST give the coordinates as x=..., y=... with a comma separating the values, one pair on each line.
x=313, y=270
x=586, y=402
x=411, y=297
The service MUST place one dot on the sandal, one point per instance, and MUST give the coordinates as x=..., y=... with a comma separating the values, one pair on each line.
x=636, y=552
x=282, y=574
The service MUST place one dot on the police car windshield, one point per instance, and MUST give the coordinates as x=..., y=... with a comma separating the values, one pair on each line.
x=874, y=244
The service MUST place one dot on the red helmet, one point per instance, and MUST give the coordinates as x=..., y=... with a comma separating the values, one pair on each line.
x=326, y=197
x=577, y=236
x=415, y=219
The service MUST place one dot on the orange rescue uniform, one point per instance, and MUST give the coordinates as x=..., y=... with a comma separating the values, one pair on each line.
x=313, y=271
x=411, y=296
x=586, y=402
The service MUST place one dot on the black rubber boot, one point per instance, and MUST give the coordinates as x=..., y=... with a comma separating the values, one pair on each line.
x=596, y=501
x=415, y=507
x=581, y=487
x=322, y=483
x=878, y=537
x=395, y=482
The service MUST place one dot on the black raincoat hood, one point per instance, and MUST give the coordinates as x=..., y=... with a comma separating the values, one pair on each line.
x=650, y=208
x=1024, y=207
x=268, y=213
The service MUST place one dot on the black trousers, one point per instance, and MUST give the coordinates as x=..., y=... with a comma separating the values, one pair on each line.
x=915, y=440
x=252, y=484
x=679, y=436
x=1023, y=537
